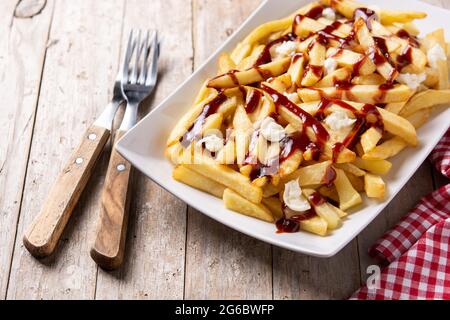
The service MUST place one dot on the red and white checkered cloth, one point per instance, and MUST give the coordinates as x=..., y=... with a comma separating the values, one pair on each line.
x=418, y=247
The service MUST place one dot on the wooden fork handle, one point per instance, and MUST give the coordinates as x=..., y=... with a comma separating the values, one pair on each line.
x=43, y=234
x=109, y=246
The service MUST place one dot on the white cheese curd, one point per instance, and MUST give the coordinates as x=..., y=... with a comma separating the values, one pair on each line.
x=212, y=143
x=286, y=49
x=272, y=131
x=412, y=80
x=435, y=54
x=293, y=197
x=330, y=65
x=329, y=14
x=339, y=120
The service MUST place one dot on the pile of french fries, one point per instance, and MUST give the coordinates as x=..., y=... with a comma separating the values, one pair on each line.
x=218, y=146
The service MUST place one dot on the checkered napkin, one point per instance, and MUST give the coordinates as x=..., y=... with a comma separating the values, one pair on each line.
x=418, y=247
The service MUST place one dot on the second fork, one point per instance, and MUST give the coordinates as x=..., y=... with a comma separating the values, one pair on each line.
x=138, y=81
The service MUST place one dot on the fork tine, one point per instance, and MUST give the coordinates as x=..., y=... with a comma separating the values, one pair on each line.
x=135, y=69
x=151, y=78
x=144, y=65
x=129, y=53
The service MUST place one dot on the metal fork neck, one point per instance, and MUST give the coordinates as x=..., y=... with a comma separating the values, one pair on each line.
x=130, y=117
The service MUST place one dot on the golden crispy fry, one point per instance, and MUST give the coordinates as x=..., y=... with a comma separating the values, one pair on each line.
x=370, y=79
x=370, y=139
x=438, y=38
x=274, y=205
x=296, y=70
x=350, y=168
x=395, y=107
x=374, y=186
x=374, y=166
x=424, y=100
x=325, y=211
x=359, y=93
x=386, y=150
x=228, y=177
x=238, y=203
x=251, y=76
x=310, y=175
x=419, y=118
x=348, y=196
x=349, y=59
x=338, y=76
x=226, y=63
x=316, y=225
x=347, y=8
x=291, y=164
x=198, y=181
x=314, y=71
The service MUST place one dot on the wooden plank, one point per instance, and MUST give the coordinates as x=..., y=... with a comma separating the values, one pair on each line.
x=154, y=261
x=80, y=67
x=296, y=276
x=22, y=50
x=222, y=263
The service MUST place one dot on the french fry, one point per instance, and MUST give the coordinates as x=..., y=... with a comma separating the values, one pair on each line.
x=250, y=76
x=370, y=139
x=228, y=177
x=348, y=7
x=348, y=59
x=351, y=168
x=438, y=38
x=238, y=203
x=395, y=107
x=316, y=225
x=314, y=71
x=291, y=164
x=424, y=100
x=226, y=63
x=374, y=186
x=367, y=42
x=330, y=193
x=270, y=190
x=419, y=118
x=386, y=150
x=330, y=80
x=325, y=211
x=310, y=175
x=275, y=207
x=265, y=30
x=348, y=196
x=243, y=126
x=359, y=93
x=296, y=70
x=198, y=181
x=357, y=182
x=374, y=166
x=369, y=79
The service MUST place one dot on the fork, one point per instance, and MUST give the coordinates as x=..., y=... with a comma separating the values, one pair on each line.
x=138, y=81
x=44, y=232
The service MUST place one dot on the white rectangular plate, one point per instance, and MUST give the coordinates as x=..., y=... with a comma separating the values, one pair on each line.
x=144, y=145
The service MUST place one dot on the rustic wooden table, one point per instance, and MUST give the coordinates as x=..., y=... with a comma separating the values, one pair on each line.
x=57, y=66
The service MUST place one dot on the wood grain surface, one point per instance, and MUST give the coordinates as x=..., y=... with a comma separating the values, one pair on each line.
x=109, y=244
x=57, y=67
